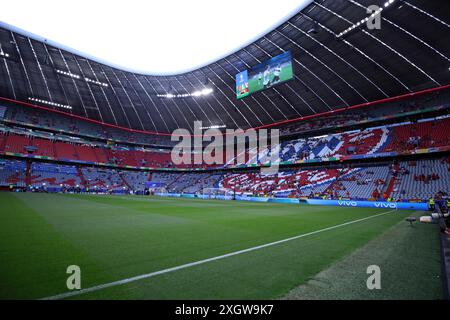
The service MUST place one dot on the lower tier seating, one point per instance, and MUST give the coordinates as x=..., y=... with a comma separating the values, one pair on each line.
x=413, y=180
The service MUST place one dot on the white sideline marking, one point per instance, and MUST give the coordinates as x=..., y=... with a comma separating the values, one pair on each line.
x=196, y=263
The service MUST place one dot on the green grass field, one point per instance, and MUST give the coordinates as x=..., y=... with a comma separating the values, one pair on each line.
x=117, y=237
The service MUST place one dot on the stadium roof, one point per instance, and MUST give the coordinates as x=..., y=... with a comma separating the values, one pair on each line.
x=188, y=34
x=410, y=52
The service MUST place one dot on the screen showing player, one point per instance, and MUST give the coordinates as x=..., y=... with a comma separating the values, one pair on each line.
x=264, y=75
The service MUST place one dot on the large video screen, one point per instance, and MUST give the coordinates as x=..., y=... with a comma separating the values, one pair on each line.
x=264, y=75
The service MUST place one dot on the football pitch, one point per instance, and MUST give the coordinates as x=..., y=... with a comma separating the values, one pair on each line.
x=133, y=247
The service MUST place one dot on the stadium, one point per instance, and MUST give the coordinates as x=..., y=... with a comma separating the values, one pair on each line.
x=309, y=163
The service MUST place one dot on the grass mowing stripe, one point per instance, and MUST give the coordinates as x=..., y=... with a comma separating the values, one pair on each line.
x=409, y=260
x=187, y=265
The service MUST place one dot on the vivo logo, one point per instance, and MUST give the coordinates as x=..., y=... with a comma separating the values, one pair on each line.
x=385, y=205
x=347, y=203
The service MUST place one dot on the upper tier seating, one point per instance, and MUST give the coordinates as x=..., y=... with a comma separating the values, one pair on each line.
x=434, y=133
x=86, y=153
x=16, y=143
x=59, y=122
x=55, y=121
x=421, y=135
x=65, y=151
x=44, y=147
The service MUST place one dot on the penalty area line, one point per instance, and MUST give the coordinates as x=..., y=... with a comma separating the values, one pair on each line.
x=196, y=263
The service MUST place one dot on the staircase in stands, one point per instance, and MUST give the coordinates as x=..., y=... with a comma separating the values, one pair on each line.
x=174, y=181
x=125, y=181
